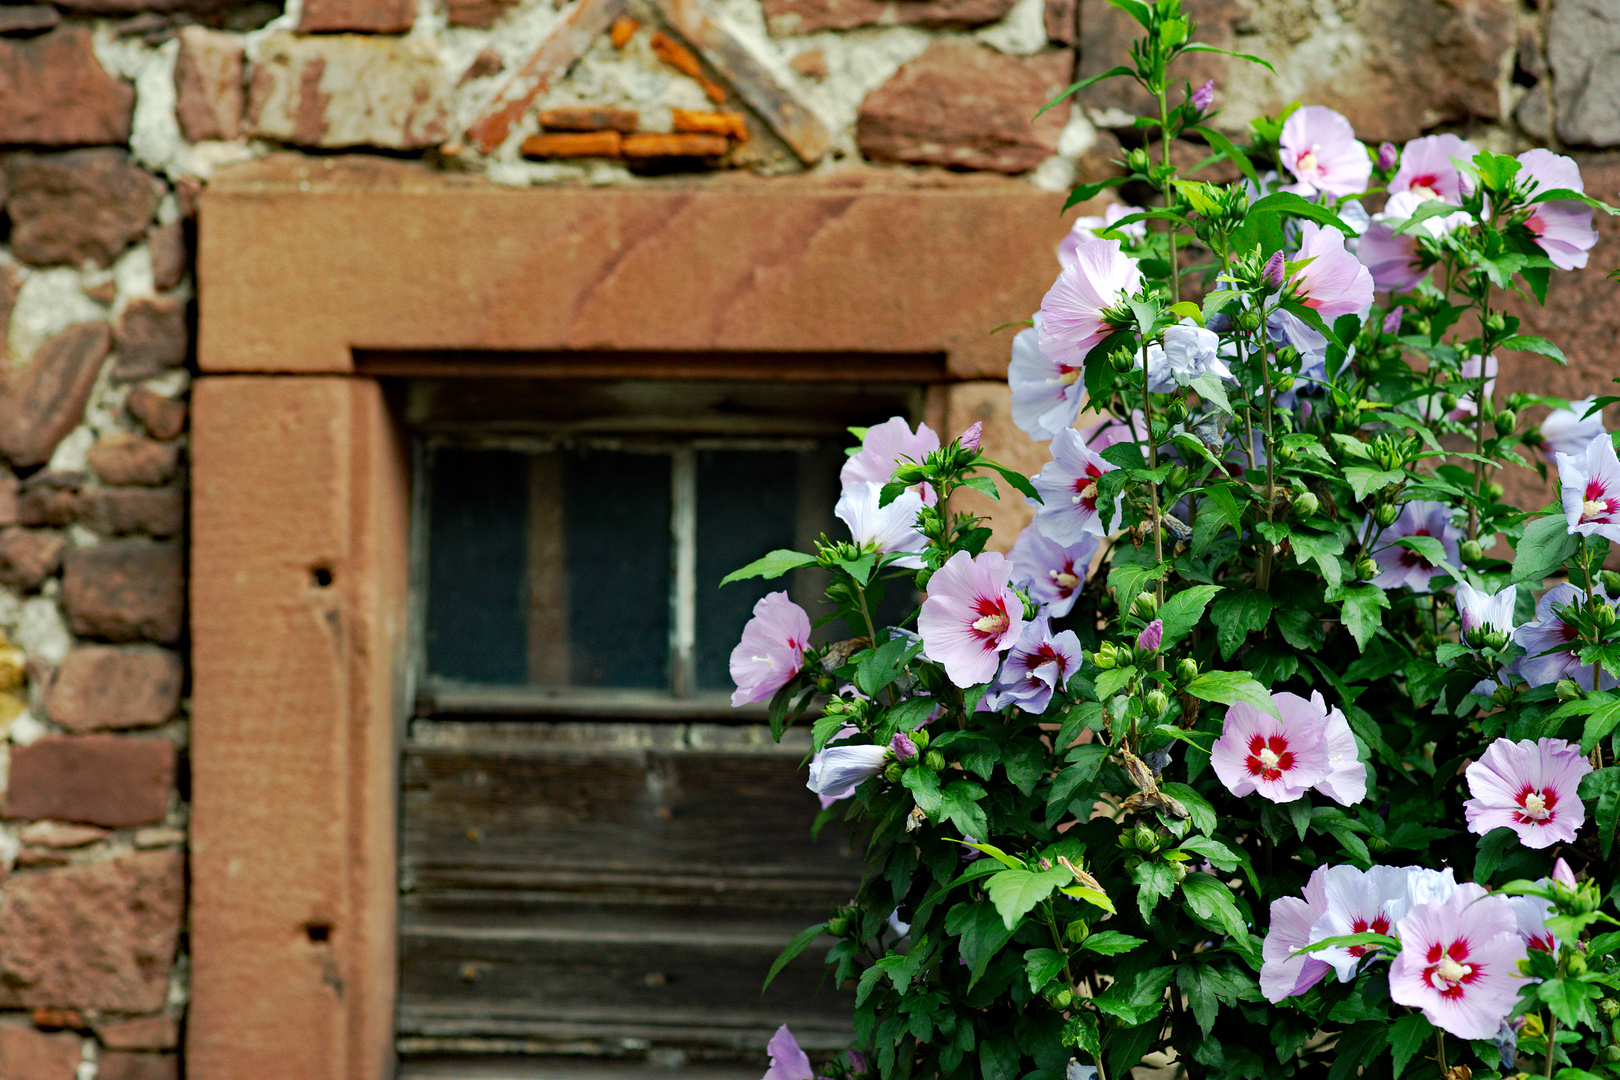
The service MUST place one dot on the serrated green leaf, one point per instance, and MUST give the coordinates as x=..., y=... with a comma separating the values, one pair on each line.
x=1360, y=606
x=1042, y=966
x=1602, y=720
x=1231, y=687
x=1111, y=942
x=1211, y=903
x=923, y=783
x=1545, y=546
x=1182, y=611
x=1200, y=809
x=797, y=945
x=1237, y=614
x=771, y=565
x=1015, y=892
x=1603, y=786
x=1365, y=479
x=1407, y=1036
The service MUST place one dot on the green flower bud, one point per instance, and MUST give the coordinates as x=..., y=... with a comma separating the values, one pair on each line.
x=1145, y=838
x=1127, y=840
x=1187, y=670
x=1077, y=931
x=1248, y=320
x=1063, y=998
x=919, y=738
x=1125, y=655
x=934, y=760
x=1282, y=382
x=1179, y=477
x=1285, y=454
x=1137, y=160
x=1306, y=504
x=1175, y=411
x=1496, y=639
x=891, y=772
x=1495, y=491
x=1472, y=551
x=1178, y=871
x=838, y=925
x=1366, y=569
x=1106, y=656
x=1568, y=690
x=1123, y=360
x=1145, y=605
x=1505, y=421
x=1611, y=1053
x=1387, y=513
x=1157, y=703
x=1502, y=696
x=1611, y=582
x=1603, y=615
x=1576, y=964
x=1449, y=401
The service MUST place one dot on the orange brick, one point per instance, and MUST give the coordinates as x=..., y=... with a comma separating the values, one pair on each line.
x=573, y=144
x=647, y=146
x=711, y=123
x=680, y=58
x=620, y=31
x=590, y=118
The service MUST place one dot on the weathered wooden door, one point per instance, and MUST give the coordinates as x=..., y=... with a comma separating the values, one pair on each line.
x=599, y=858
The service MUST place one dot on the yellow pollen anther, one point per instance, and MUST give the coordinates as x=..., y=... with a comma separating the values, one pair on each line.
x=1424, y=193
x=1307, y=160
x=1063, y=580
x=1451, y=971
x=1268, y=757
x=1592, y=509
x=1534, y=805
x=1070, y=377
x=993, y=623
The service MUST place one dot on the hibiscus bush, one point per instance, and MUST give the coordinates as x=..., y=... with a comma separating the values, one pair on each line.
x=1278, y=743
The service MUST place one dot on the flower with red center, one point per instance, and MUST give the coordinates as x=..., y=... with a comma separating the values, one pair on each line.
x=1532, y=913
x=1358, y=901
x=885, y=446
x=1428, y=172
x=1400, y=565
x=1334, y=282
x=1591, y=489
x=1563, y=227
x=1320, y=148
x=1052, y=573
x=771, y=651
x=891, y=528
x=1046, y=396
x=1550, y=643
x=1282, y=974
x=1280, y=757
x=970, y=617
x=1068, y=490
x=1459, y=962
x=1073, y=311
x=1528, y=787
x=1039, y=663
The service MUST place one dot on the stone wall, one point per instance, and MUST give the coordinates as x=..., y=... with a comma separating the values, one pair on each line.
x=114, y=115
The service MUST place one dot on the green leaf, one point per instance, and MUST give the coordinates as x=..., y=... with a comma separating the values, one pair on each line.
x=1217, y=299
x=1570, y=1000
x=1111, y=942
x=1289, y=203
x=1182, y=611
x=1081, y=85
x=1300, y=628
x=800, y=942
x=1432, y=551
x=1154, y=881
x=1603, y=786
x=1532, y=343
x=1015, y=892
x=1237, y=615
x=1237, y=157
x=1212, y=904
x=1210, y=389
x=1359, y=606
x=771, y=565
x=1018, y=481
x=998, y=1058
x=983, y=485
x=1199, y=46
x=1364, y=480
x=995, y=853
x=1221, y=496
x=1602, y=721
x=1042, y=966
x=961, y=806
x=1322, y=548
x=923, y=783
x=1491, y=849
x=1083, y=192
x=1407, y=1036
x=1345, y=941
x=1545, y=546
x=1127, y=580
x=1231, y=687
x=881, y=666
x=1203, y=814
x=980, y=934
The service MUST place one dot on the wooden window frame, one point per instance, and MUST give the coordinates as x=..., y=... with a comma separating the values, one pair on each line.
x=320, y=276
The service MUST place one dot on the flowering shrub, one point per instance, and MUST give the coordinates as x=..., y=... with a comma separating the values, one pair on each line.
x=1252, y=750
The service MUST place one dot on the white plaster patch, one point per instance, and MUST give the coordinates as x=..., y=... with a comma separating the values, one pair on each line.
x=858, y=62
x=155, y=140
x=9, y=844
x=1053, y=174
x=631, y=78
x=41, y=632
x=133, y=272
x=170, y=384
x=1308, y=43
x=81, y=537
x=48, y=302
x=515, y=38
x=10, y=612
x=1021, y=32
x=25, y=729
x=69, y=455
x=201, y=159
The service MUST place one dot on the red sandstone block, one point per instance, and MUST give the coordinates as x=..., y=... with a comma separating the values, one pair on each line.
x=28, y=557
x=115, y=686
x=151, y=338
x=163, y=418
x=110, y=780
x=130, y=459
x=121, y=1065
x=27, y=1054
x=125, y=590
x=42, y=403
x=120, y=511
x=141, y=1033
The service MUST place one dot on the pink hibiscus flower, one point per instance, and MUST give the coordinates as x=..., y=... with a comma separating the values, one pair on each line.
x=1052, y=573
x=1072, y=320
x=788, y=1062
x=1563, y=227
x=970, y=617
x=1282, y=974
x=1571, y=430
x=1320, y=148
x=1334, y=282
x=1039, y=663
x=1427, y=170
x=1087, y=228
x=1530, y=787
x=1346, y=779
x=1281, y=758
x=1399, y=565
x=1068, y=490
x=1549, y=643
x=1358, y=901
x=1459, y=962
x=771, y=651
x=1046, y=396
x=891, y=528
x=1591, y=489
x=886, y=445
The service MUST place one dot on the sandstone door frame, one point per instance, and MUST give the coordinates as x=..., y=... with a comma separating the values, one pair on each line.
x=317, y=277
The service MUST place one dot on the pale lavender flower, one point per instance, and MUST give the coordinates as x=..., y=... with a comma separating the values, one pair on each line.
x=891, y=528
x=887, y=445
x=1046, y=396
x=1320, y=148
x=1478, y=610
x=1562, y=874
x=1153, y=633
x=1039, y=663
x=1358, y=902
x=1273, y=271
x=1393, y=258
x=1052, y=572
x=1334, y=282
x=771, y=651
x=1459, y=962
x=1550, y=643
x=970, y=617
x=838, y=770
x=1530, y=787
x=1392, y=321
x=1068, y=489
x=1571, y=430
x=1563, y=227
x=1466, y=406
x=1591, y=489
x=969, y=439
x=1399, y=565
x=1190, y=351
x=1346, y=779
x=788, y=1062
x=1087, y=228
x=1427, y=170
x=1203, y=97
x=828, y=798
x=1387, y=156
x=1281, y=758
x=904, y=749
x=1072, y=319
x=1282, y=974
x=1531, y=913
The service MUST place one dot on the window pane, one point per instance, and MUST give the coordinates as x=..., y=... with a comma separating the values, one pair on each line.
x=748, y=504
x=476, y=605
x=618, y=549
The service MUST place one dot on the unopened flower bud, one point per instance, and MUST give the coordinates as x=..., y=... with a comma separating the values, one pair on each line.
x=1610, y=581
x=1148, y=640
x=1045, y=863
x=1366, y=569
x=1105, y=657
x=969, y=439
x=1306, y=504
x=1124, y=655
x=1562, y=874
x=904, y=749
x=1272, y=275
x=1611, y=1053
x=919, y=738
x=891, y=773
x=1203, y=97
x=1387, y=156
x=1137, y=160
x=934, y=760
x=1282, y=382
x=1505, y=421
x=1495, y=491
x=1285, y=454
x=1178, y=871
x=1472, y=551
x=1157, y=703
x=1123, y=360
x=1603, y=615
x=1178, y=477
x=1077, y=931
x=1568, y=690
x=1145, y=605
x=1248, y=320
x=1448, y=401
x=1063, y=998
x=1496, y=639
x=1502, y=696
x=1145, y=838
x=1576, y=964
x=1187, y=670
x=1387, y=513
x=838, y=925
x=1392, y=321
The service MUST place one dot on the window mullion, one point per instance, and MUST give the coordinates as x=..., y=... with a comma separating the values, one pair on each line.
x=683, y=601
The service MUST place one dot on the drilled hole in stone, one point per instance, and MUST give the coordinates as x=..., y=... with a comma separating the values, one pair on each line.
x=318, y=932
x=321, y=577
